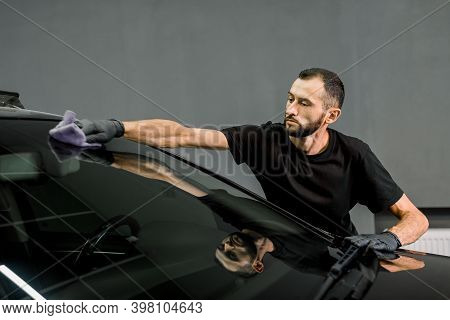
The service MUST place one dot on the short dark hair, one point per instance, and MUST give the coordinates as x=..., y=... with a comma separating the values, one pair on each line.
x=334, y=88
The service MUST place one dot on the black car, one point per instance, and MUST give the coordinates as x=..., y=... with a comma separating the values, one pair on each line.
x=111, y=223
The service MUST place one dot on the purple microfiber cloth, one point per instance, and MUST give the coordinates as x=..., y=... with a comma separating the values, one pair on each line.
x=68, y=132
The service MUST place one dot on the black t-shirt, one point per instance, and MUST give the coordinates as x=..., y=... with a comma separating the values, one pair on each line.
x=294, y=245
x=320, y=188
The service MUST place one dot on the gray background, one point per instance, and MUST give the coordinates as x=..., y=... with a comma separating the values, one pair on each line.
x=218, y=63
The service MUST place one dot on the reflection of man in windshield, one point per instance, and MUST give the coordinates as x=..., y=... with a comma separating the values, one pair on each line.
x=260, y=232
x=242, y=253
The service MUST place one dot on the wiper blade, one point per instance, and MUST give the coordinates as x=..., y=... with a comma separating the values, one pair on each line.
x=347, y=281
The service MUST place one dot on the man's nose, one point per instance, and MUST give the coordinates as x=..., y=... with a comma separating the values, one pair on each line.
x=291, y=109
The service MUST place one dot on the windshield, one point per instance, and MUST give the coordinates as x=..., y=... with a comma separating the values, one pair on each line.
x=130, y=222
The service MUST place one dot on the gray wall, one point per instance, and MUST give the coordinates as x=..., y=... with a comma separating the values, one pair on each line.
x=218, y=63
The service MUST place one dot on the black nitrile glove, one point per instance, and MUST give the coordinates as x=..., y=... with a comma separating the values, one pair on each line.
x=101, y=131
x=383, y=244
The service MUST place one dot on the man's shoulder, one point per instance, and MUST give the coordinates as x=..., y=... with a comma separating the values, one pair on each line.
x=352, y=144
x=272, y=126
x=269, y=125
x=266, y=126
x=262, y=130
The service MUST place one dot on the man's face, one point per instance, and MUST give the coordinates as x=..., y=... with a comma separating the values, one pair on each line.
x=236, y=252
x=304, y=107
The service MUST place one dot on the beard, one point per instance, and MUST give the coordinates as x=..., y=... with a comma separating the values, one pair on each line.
x=304, y=131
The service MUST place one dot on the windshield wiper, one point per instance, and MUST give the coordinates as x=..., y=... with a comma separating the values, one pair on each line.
x=350, y=277
x=91, y=244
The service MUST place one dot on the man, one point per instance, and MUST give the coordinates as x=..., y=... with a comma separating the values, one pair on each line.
x=303, y=166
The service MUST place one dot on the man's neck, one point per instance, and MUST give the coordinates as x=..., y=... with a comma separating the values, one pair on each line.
x=313, y=144
x=263, y=243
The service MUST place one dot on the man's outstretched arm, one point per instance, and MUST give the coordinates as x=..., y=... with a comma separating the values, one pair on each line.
x=167, y=133
x=154, y=132
x=412, y=222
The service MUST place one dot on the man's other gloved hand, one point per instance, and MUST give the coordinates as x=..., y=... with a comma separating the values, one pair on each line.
x=101, y=131
x=383, y=244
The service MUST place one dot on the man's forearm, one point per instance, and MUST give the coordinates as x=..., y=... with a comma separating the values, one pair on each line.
x=412, y=226
x=412, y=222
x=157, y=132
x=170, y=134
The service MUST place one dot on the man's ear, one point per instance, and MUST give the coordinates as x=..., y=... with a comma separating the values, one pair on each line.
x=258, y=266
x=332, y=115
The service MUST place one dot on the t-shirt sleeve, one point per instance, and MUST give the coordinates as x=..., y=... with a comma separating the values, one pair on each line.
x=243, y=142
x=378, y=191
